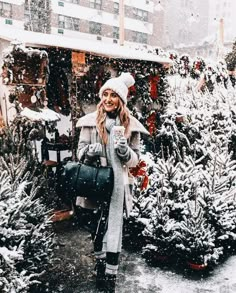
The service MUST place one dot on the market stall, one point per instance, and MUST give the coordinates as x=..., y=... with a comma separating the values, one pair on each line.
x=65, y=75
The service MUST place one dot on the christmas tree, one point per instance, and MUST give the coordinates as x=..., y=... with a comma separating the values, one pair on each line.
x=26, y=237
x=26, y=240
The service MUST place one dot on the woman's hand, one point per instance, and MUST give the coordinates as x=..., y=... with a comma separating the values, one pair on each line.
x=95, y=149
x=122, y=145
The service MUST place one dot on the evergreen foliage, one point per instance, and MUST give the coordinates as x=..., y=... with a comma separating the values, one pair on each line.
x=139, y=219
x=26, y=238
x=162, y=232
x=190, y=214
x=26, y=242
x=87, y=86
x=231, y=58
x=198, y=238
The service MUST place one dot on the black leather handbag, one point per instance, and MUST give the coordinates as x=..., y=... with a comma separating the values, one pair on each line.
x=87, y=181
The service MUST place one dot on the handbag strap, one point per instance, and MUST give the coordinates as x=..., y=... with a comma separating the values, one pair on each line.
x=103, y=160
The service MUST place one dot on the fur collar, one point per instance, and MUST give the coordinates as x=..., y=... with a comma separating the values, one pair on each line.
x=89, y=120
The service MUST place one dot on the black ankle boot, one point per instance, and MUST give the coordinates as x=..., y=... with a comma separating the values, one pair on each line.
x=110, y=283
x=100, y=277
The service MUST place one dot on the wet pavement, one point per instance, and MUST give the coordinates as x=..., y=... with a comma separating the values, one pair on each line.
x=73, y=270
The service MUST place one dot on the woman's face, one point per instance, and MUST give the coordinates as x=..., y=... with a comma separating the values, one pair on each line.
x=110, y=100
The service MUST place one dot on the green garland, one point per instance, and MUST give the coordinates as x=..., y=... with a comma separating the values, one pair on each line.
x=139, y=99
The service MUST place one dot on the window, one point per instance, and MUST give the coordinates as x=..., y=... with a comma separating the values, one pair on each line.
x=8, y=21
x=95, y=28
x=116, y=8
x=37, y=20
x=97, y=4
x=140, y=14
x=5, y=10
x=116, y=32
x=140, y=37
x=69, y=23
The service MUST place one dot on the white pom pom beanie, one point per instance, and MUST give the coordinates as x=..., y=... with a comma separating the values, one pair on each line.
x=119, y=84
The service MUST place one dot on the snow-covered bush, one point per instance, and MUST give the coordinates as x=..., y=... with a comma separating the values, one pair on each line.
x=162, y=232
x=217, y=196
x=189, y=206
x=198, y=238
x=25, y=237
x=139, y=218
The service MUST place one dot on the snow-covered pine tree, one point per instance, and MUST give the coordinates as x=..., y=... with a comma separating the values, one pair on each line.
x=232, y=144
x=170, y=141
x=162, y=233
x=198, y=238
x=176, y=182
x=25, y=236
x=143, y=200
x=231, y=63
x=133, y=238
x=213, y=118
x=18, y=138
x=218, y=199
x=172, y=186
x=163, y=90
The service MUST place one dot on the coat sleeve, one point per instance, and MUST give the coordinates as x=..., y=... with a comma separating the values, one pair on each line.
x=84, y=142
x=131, y=157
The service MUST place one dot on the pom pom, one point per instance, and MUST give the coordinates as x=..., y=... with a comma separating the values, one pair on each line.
x=127, y=78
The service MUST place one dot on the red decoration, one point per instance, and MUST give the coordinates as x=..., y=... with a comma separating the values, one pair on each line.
x=140, y=170
x=98, y=84
x=153, y=80
x=151, y=122
x=132, y=89
x=179, y=119
x=61, y=215
x=99, y=81
x=197, y=267
x=197, y=65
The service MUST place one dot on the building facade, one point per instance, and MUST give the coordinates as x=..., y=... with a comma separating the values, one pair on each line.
x=178, y=25
x=97, y=20
x=12, y=13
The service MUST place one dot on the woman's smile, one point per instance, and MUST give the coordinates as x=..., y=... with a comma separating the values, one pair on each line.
x=110, y=100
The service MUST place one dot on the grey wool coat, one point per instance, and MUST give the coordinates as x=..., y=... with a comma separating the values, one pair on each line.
x=89, y=135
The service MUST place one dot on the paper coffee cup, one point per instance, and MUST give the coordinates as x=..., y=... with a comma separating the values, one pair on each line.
x=119, y=132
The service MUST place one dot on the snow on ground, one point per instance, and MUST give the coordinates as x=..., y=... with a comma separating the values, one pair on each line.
x=143, y=278
x=73, y=271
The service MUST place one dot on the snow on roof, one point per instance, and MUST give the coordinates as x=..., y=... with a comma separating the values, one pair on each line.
x=95, y=47
x=41, y=115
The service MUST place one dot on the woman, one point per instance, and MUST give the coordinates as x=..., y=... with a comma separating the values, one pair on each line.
x=97, y=142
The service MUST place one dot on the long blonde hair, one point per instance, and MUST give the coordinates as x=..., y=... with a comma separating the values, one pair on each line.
x=124, y=116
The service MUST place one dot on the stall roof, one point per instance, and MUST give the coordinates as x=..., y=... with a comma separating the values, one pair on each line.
x=94, y=47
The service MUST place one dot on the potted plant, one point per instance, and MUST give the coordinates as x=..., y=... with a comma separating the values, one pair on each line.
x=198, y=240
x=162, y=234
